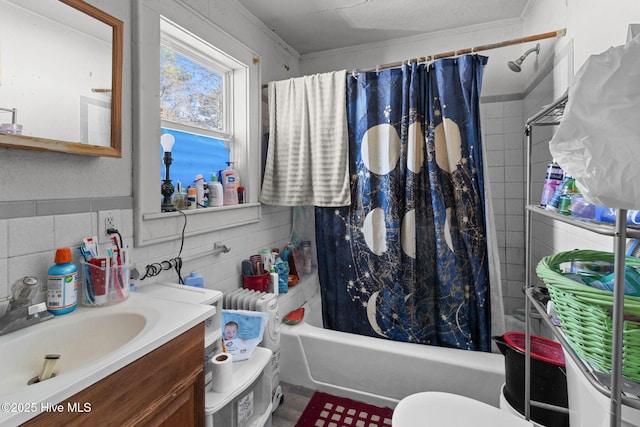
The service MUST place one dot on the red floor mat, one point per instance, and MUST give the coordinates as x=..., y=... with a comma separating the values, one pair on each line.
x=325, y=410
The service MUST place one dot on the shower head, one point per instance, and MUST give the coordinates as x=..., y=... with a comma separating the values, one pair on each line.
x=515, y=65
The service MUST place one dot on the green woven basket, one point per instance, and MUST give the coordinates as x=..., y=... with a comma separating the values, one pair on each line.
x=585, y=313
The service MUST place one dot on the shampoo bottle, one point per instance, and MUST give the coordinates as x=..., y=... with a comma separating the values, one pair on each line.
x=194, y=279
x=191, y=198
x=216, y=195
x=273, y=287
x=230, y=180
x=199, y=181
x=62, y=284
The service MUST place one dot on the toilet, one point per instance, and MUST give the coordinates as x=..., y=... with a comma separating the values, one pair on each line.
x=440, y=409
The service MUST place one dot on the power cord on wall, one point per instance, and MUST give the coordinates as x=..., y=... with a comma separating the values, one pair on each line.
x=174, y=263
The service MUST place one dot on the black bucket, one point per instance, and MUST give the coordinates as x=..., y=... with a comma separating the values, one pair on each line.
x=548, y=376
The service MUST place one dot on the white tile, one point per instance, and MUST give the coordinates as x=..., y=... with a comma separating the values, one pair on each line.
x=513, y=174
x=4, y=279
x=515, y=256
x=515, y=272
x=513, y=125
x=497, y=190
x=71, y=229
x=30, y=235
x=514, y=206
x=495, y=158
x=512, y=109
x=493, y=126
x=496, y=174
x=500, y=222
x=492, y=110
x=4, y=239
x=514, y=140
x=494, y=142
x=514, y=190
x=513, y=158
x=514, y=222
x=36, y=264
x=514, y=239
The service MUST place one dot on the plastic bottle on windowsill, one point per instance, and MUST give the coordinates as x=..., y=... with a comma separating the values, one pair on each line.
x=216, y=194
x=230, y=179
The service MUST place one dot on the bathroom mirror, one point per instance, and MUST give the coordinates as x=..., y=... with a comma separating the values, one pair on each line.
x=60, y=77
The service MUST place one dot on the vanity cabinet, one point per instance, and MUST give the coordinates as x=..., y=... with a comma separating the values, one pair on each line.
x=164, y=387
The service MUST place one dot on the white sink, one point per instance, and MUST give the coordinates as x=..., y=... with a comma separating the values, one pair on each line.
x=77, y=342
x=92, y=343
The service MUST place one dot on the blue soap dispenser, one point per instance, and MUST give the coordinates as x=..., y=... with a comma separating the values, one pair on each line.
x=194, y=279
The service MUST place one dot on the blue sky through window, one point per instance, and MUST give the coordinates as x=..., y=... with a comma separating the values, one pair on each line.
x=194, y=154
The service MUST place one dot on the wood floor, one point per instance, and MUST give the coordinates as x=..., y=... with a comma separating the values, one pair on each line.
x=291, y=408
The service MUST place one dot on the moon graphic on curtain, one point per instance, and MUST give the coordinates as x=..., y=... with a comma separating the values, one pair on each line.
x=381, y=148
x=409, y=233
x=448, y=144
x=415, y=150
x=375, y=231
x=447, y=230
x=371, y=313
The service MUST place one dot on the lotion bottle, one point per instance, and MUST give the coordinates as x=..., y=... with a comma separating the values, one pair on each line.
x=230, y=180
x=216, y=195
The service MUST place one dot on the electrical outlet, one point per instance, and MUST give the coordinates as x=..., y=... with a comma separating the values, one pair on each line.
x=107, y=220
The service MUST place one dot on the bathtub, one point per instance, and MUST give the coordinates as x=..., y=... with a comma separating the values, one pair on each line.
x=377, y=371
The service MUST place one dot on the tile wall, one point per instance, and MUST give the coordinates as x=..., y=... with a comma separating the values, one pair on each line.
x=502, y=129
x=28, y=244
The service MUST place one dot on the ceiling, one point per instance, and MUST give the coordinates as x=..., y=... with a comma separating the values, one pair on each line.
x=316, y=25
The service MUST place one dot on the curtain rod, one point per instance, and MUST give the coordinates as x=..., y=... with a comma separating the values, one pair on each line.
x=541, y=36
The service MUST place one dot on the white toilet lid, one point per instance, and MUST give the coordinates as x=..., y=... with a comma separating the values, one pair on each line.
x=433, y=408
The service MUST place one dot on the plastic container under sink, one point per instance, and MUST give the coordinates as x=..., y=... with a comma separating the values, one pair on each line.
x=548, y=377
x=590, y=408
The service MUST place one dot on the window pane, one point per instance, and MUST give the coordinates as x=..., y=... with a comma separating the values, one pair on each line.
x=190, y=93
x=194, y=154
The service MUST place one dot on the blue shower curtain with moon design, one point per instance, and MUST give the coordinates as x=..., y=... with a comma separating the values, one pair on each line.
x=408, y=259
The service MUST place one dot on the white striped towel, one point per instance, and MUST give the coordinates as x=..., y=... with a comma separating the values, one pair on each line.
x=308, y=156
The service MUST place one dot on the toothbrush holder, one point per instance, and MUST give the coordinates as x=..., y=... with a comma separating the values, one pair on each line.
x=102, y=284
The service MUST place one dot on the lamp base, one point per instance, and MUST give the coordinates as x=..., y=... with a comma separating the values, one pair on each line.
x=168, y=207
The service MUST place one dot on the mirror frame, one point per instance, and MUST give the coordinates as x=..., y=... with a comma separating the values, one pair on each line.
x=24, y=142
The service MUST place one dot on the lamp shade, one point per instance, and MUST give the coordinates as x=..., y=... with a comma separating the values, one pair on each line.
x=167, y=142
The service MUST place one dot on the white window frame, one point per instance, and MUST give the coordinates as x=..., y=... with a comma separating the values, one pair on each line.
x=151, y=225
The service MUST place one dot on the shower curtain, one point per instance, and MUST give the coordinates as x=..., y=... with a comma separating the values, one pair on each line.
x=408, y=259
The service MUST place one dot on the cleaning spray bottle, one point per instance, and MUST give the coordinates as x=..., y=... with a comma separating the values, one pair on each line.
x=230, y=180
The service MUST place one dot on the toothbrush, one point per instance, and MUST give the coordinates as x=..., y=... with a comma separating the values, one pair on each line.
x=116, y=274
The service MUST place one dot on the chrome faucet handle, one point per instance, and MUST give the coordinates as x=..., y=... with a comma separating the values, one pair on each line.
x=37, y=308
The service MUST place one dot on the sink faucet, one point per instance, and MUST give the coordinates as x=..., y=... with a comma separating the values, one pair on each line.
x=22, y=312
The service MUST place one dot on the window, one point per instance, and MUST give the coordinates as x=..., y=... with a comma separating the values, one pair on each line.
x=194, y=104
x=215, y=113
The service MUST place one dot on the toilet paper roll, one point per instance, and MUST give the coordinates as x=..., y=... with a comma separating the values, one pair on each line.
x=222, y=373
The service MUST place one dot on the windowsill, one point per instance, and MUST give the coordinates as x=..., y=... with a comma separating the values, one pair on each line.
x=165, y=226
